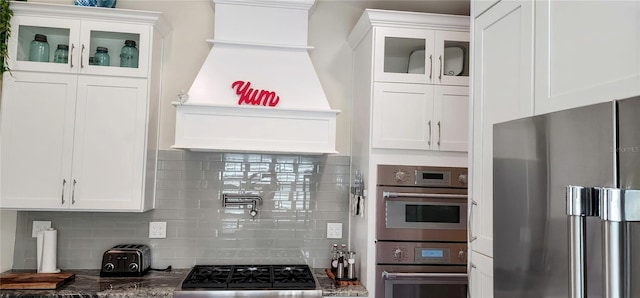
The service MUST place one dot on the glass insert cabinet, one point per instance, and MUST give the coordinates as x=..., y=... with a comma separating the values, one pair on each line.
x=82, y=38
x=408, y=55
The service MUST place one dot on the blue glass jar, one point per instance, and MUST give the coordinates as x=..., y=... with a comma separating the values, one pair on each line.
x=85, y=2
x=106, y=3
x=129, y=54
x=102, y=57
x=39, y=49
x=61, y=55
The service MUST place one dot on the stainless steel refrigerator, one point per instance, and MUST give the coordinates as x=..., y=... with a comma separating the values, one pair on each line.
x=566, y=203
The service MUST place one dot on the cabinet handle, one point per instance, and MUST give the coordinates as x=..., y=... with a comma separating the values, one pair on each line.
x=73, y=46
x=430, y=66
x=471, y=237
x=439, y=133
x=82, y=57
x=73, y=192
x=64, y=182
x=441, y=66
x=429, y=141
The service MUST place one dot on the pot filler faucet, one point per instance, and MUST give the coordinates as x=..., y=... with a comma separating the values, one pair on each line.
x=242, y=200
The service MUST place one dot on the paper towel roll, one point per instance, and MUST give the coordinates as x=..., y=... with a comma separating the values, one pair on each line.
x=47, y=249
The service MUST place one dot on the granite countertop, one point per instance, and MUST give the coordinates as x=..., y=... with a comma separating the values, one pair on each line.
x=329, y=287
x=89, y=284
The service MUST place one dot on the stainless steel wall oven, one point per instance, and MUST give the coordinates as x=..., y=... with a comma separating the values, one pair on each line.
x=421, y=247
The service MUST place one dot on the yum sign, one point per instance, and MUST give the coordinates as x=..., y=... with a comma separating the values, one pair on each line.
x=250, y=96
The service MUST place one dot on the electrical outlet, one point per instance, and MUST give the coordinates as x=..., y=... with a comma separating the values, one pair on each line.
x=158, y=229
x=334, y=230
x=39, y=226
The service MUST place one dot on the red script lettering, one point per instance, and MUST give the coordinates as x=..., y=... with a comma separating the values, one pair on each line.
x=254, y=97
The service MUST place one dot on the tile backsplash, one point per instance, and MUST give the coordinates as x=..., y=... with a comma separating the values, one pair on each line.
x=300, y=193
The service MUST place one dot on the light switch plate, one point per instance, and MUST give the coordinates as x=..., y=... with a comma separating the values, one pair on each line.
x=39, y=226
x=334, y=230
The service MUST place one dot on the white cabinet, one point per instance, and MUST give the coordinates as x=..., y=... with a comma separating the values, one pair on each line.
x=502, y=90
x=481, y=276
x=585, y=52
x=72, y=140
x=419, y=65
x=82, y=39
x=408, y=55
x=480, y=6
x=420, y=117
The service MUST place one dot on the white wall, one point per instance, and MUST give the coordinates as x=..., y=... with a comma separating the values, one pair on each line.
x=7, y=238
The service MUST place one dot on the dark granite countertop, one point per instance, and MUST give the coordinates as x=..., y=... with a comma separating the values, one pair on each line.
x=89, y=284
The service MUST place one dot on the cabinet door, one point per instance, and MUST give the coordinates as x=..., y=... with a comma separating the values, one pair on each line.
x=57, y=31
x=502, y=90
x=451, y=118
x=481, y=276
x=403, y=55
x=109, y=144
x=586, y=52
x=480, y=6
x=402, y=116
x=113, y=36
x=452, y=58
x=37, y=139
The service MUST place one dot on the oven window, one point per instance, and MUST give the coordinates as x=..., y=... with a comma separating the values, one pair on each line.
x=432, y=213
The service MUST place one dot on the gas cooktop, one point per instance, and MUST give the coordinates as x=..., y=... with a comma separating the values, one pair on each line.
x=256, y=280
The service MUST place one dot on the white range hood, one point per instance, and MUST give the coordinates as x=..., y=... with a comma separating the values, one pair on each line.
x=257, y=91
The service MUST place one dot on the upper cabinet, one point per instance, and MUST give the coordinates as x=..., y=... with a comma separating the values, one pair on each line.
x=79, y=136
x=74, y=35
x=409, y=55
x=419, y=64
x=585, y=52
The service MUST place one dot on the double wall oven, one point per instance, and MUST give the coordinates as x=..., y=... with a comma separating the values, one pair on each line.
x=421, y=247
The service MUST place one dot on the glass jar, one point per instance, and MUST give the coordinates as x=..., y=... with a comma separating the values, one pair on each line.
x=102, y=57
x=129, y=54
x=61, y=55
x=39, y=49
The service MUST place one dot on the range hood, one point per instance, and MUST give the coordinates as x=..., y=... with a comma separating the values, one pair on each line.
x=257, y=91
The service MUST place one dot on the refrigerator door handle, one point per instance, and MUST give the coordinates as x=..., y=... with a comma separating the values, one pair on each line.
x=578, y=201
x=618, y=207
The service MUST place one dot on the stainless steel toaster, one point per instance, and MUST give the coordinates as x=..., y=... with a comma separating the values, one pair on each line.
x=126, y=260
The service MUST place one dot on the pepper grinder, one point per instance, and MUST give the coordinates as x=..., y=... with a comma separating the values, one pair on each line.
x=351, y=268
x=340, y=269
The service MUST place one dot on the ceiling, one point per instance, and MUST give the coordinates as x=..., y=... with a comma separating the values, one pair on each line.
x=457, y=7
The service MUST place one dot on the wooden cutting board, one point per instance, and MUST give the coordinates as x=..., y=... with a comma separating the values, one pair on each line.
x=34, y=281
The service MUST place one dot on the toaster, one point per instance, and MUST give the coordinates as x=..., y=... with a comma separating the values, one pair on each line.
x=126, y=260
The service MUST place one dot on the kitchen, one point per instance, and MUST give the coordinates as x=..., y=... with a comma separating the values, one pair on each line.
x=291, y=227
x=98, y=228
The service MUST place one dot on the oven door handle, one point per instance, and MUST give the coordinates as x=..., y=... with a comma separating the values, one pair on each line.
x=389, y=195
x=414, y=275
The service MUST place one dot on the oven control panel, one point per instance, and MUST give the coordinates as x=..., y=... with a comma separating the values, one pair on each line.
x=421, y=253
x=422, y=176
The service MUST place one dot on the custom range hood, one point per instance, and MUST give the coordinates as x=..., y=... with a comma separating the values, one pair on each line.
x=257, y=91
